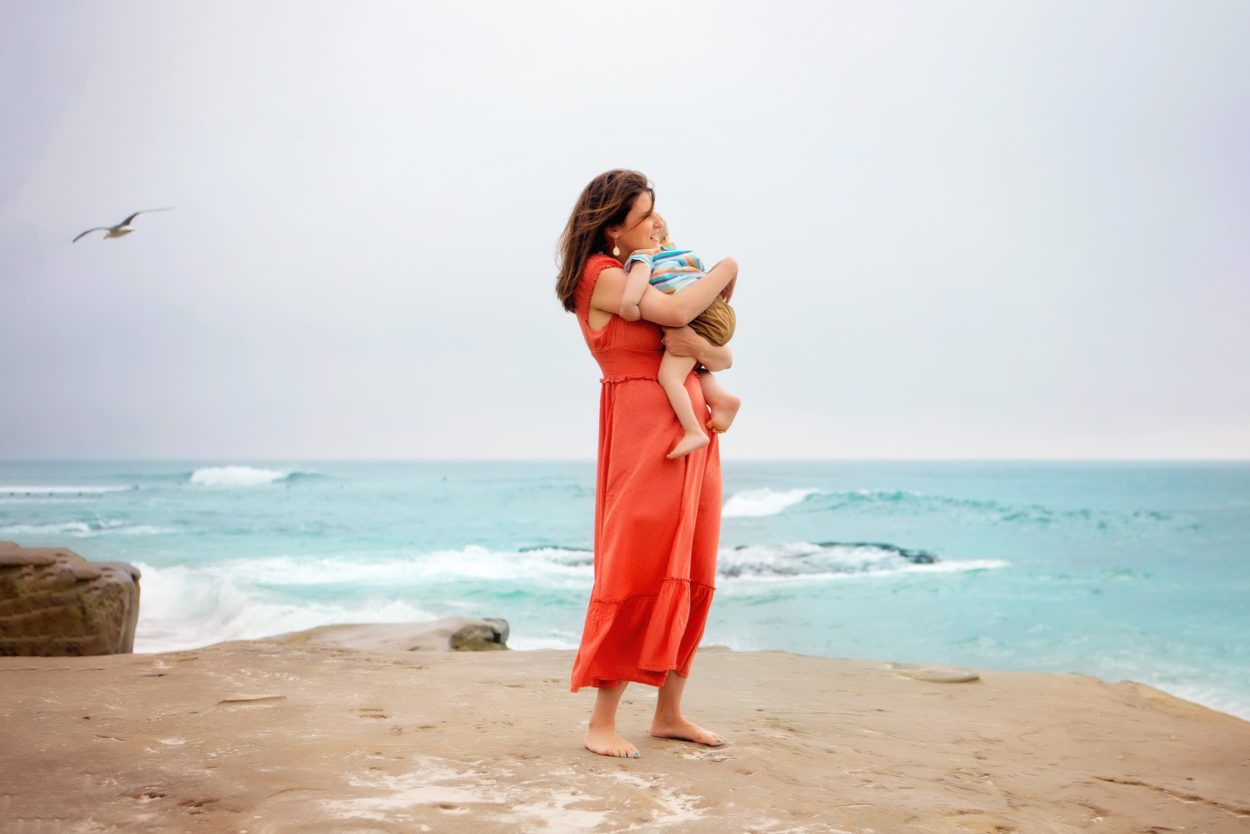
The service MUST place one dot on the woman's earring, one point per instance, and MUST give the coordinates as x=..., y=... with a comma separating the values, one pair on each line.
x=616, y=250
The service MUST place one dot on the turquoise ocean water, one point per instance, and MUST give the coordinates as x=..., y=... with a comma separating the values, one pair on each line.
x=1119, y=570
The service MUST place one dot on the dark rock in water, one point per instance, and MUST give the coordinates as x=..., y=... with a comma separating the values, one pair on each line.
x=55, y=603
x=808, y=558
x=562, y=554
x=918, y=557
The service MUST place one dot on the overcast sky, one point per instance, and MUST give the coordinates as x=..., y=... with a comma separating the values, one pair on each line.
x=964, y=229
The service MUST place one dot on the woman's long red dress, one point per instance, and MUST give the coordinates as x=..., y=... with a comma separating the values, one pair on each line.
x=657, y=521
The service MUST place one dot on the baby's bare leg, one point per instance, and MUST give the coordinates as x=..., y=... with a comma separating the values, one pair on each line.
x=724, y=404
x=672, y=376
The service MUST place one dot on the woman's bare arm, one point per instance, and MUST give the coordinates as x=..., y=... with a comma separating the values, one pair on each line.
x=675, y=310
x=680, y=308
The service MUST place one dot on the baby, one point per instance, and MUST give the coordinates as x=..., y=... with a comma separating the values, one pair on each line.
x=670, y=269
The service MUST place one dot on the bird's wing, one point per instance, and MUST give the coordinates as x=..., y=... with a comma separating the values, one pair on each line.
x=128, y=220
x=89, y=231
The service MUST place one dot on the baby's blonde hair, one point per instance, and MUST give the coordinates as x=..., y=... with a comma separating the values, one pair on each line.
x=663, y=231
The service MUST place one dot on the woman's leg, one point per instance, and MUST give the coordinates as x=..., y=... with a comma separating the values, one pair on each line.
x=724, y=404
x=673, y=373
x=602, y=737
x=670, y=723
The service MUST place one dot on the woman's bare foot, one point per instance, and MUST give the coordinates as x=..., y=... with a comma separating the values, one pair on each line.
x=687, y=730
x=605, y=742
x=688, y=444
x=723, y=413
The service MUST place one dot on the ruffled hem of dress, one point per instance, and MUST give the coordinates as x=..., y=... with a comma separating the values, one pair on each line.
x=652, y=626
x=627, y=377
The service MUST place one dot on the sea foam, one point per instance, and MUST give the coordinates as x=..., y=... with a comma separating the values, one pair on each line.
x=234, y=476
x=808, y=562
x=81, y=529
x=762, y=502
x=192, y=605
x=19, y=490
x=186, y=607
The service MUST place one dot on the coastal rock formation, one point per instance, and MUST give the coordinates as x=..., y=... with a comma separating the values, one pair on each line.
x=487, y=635
x=284, y=738
x=448, y=634
x=933, y=673
x=54, y=602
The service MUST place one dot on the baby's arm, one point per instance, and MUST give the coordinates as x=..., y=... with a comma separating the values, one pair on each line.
x=637, y=279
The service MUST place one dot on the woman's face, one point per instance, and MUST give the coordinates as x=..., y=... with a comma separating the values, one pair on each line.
x=641, y=229
x=662, y=232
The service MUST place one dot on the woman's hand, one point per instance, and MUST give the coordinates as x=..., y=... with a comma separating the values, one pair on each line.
x=683, y=341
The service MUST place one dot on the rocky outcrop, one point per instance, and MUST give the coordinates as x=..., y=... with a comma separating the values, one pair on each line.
x=934, y=673
x=268, y=736
x=483, y=635
x=449, y=634
x=54, y=602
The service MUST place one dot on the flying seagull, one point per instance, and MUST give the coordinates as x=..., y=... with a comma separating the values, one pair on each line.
x=122, y=228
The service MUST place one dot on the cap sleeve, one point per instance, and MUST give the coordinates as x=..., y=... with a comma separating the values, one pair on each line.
x=598, y=262
x=595, y=264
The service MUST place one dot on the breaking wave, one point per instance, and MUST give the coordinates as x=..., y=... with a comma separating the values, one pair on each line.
x=891, y=502
x=829, y=560
x=187, y=606
x=82, y=529
x=753, y=503
x=236, y=476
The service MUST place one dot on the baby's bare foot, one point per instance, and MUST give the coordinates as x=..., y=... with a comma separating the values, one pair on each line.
x=687, y=730
x=606, y=742
x=723, y=413
x=688, y=444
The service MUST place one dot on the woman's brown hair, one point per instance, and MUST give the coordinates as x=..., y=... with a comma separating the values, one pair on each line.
x=604, y=202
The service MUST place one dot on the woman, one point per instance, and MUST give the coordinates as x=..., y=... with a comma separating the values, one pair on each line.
x=657, y=521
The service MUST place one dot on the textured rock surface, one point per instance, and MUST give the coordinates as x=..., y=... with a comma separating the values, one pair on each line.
x=935, y=674
x=271, y=737
x=448, y=634
x=54, y=602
